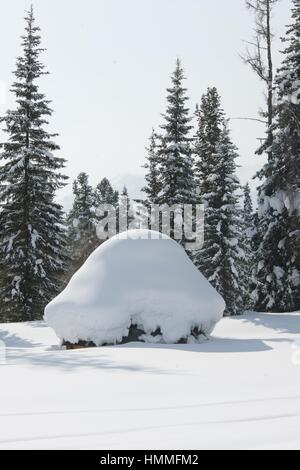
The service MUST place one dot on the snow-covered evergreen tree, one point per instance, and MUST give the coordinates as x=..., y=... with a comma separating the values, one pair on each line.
x=278, y=254
x=175, y=153
x=247, y=231
x=32, y=235
x=222, y=254
x=81, y=223
x=248, y=208
x=152, y=187
x=105, y=194
x=177, y=183
x=126, y=211
x=210, y=118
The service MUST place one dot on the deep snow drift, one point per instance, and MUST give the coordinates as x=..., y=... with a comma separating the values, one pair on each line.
x=134, y=280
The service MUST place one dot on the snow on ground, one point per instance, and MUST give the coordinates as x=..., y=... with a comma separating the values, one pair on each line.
x=239, y=390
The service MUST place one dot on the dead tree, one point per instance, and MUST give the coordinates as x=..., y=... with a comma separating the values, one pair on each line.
x=258, y=56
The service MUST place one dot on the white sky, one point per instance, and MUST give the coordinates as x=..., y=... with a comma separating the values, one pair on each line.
x=110, y=63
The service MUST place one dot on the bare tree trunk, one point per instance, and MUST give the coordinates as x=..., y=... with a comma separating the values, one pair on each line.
x=259, y=58
x=270, y=78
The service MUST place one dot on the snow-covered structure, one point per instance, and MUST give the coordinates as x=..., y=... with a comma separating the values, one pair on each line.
x=138, y=285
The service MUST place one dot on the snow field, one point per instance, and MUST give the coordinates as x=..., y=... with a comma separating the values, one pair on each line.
x=241, y=389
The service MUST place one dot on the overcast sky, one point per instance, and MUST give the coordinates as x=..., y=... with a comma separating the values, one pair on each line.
x=110, y=64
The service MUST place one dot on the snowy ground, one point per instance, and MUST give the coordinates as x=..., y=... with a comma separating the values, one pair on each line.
x=240, y=390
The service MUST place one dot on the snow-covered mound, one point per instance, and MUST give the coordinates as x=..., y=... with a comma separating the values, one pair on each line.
x=138, y=278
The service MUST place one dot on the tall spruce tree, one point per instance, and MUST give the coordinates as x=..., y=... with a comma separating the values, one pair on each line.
x=222, y=254
x=210, y=118
x=81, y=222
x=177, y=182
x=278, y=267
x=32, y=235
x=152, y=187
x=175, y=153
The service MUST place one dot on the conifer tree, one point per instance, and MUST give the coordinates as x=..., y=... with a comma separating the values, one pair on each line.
x=32, y=236
x=248, y=208
x=152, y=177
x=177, y=183
x=210, y=117
x=222, y=254
x=248, y=238
x=175, y=153
x=105, y=194
x=126, y=211
x=81, y=223
x=278, y=255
